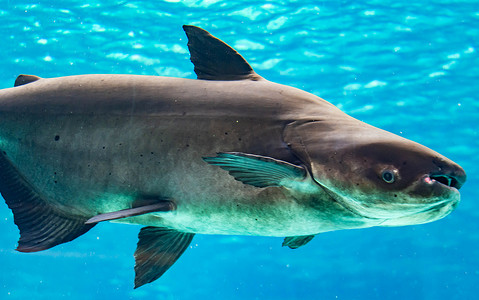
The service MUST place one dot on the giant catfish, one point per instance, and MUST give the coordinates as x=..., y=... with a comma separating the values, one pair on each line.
x=228, y=153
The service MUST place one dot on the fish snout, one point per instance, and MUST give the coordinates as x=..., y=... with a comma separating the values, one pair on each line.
x=449, y=174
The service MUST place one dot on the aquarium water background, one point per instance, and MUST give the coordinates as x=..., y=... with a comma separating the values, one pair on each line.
x=410, y=67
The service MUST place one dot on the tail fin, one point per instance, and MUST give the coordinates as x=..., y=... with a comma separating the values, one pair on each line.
x=42, y=225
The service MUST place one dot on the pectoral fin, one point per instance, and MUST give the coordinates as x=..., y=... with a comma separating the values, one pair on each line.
x=257, y=170
x=294, y=242
x=144, y=208
x=157, y=250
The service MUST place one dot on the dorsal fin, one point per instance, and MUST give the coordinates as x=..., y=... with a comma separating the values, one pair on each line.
x=214, y=59
x=24, y=79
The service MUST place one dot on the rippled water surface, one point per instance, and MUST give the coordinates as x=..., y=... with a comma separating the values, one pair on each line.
x=407, y=67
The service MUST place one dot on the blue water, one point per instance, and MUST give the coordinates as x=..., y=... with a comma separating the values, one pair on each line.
x=410, y=68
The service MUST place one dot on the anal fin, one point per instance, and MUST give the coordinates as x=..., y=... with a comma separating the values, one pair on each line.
x=42, y=225
x=294, y=242
x=157, y=250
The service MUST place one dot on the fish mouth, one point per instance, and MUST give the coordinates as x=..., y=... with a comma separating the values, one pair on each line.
x=447, y=173
x=447, y=180
x=452, y=182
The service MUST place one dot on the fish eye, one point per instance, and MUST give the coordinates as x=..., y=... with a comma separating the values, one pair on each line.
x=388, y=176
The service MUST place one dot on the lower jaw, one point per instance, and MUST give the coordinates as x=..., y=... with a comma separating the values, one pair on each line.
x=432, y=214
x=400, y=215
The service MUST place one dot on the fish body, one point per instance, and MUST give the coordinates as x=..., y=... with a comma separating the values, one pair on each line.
x=228, y=153
x=103, y=141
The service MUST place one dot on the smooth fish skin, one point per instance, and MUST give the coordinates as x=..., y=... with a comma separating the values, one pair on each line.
x=228, y=153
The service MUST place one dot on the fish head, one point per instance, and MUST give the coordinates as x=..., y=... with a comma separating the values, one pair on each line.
x=378, y=175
